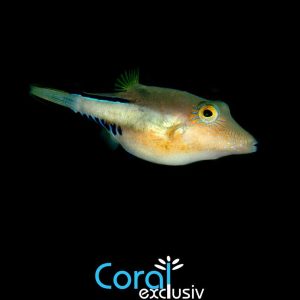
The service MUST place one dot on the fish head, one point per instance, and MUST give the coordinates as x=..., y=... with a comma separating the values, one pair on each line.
x=214, y=133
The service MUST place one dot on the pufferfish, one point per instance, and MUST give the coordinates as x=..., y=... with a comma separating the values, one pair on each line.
x=160, y=125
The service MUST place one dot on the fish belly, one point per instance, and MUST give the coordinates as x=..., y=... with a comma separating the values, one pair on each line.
x=154, y=148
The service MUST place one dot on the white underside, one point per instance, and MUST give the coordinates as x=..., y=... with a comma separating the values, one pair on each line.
x=173, y=159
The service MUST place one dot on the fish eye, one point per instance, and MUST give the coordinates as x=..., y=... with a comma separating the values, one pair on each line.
x=208, y=113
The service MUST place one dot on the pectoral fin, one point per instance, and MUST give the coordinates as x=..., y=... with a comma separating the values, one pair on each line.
x=175, y=131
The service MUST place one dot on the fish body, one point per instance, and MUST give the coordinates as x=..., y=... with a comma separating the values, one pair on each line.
x=160, y=125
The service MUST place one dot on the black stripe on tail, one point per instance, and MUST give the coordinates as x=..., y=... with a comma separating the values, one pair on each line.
x=107, y=98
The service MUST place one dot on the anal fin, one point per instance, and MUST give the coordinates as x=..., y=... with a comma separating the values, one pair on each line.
x=109, y=140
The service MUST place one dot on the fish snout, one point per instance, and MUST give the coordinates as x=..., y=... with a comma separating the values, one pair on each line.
x=245, y=144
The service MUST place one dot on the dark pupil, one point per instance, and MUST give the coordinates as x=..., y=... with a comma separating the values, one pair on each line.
x=207, y=113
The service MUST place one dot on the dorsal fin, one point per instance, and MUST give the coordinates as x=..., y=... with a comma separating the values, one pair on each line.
x=127, y=80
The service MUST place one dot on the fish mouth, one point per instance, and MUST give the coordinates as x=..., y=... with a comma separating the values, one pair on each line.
x=245, y=148
x=253, y=147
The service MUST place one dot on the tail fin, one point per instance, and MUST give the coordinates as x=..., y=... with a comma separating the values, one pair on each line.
x=113, y=110
x=55, y=96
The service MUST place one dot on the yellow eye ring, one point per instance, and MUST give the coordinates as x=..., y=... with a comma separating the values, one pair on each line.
x=206, y=113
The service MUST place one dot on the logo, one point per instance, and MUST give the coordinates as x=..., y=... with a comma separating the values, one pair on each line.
x=158, y=283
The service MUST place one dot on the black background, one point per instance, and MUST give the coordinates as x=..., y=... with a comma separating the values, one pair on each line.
x=86, y=205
